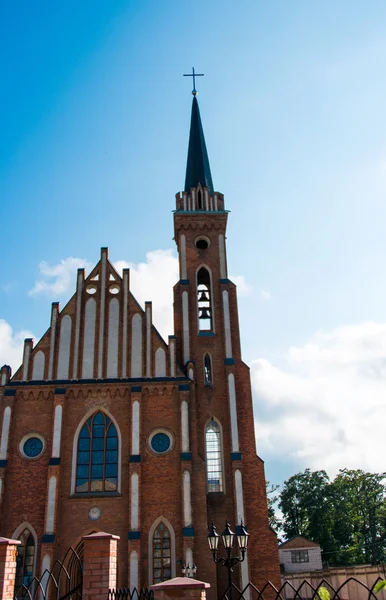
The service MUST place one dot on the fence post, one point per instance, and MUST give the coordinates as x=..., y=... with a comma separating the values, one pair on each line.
x=99, y=565
x=181, y=588
x=8, y=551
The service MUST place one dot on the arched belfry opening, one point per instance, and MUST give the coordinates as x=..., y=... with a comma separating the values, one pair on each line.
x=199, y=200
x=204, y=301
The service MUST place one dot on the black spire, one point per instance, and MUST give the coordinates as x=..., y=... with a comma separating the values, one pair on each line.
x=197, y=166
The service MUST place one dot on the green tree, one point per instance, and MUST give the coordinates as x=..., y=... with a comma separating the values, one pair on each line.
x=272, y=498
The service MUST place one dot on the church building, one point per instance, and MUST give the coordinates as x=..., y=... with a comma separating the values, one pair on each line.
x=106, y=426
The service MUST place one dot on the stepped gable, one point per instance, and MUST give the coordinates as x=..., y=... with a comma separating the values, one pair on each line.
x=101, y=333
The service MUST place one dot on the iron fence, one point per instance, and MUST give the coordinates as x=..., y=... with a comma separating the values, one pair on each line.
x=127, y=594
x=63, y=582
x=351, y=589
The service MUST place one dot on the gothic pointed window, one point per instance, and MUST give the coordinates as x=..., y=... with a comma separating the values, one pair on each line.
x=97, y=456
x=204, y=301
x=199, y=200
x=161, y=554
x=25, y=559
x=208, y=379
x=214, y=463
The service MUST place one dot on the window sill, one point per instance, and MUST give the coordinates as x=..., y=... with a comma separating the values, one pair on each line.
x=96, y=495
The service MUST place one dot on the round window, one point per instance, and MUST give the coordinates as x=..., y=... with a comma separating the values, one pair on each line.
x=202, y=243
x=32, y=446
x=161, y=442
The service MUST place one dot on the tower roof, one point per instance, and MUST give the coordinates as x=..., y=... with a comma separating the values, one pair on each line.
x=197, y=166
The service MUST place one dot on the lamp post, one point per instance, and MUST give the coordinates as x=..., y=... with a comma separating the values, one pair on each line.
x=228, y=537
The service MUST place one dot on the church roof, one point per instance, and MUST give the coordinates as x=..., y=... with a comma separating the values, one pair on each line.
x=197, y=166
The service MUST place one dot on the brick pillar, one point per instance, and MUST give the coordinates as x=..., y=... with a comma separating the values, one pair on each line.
x=100, y=565
x=8, y=550
x=181, y=588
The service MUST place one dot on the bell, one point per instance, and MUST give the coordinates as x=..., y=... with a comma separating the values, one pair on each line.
x=204, y=313
x=203, y=297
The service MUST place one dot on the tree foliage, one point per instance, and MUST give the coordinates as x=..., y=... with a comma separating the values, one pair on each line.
x=346, y=516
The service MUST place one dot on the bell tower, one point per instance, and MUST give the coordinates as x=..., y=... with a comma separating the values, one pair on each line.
x=225, y=464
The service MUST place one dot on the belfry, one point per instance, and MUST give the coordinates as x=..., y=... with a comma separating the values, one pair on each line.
x=108, y=427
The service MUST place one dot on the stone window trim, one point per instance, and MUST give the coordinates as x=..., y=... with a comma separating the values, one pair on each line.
x=166, y=432
x=167, y=524
x=89, y=414
x=221, y=440
x=300, y=556
x=25, y=438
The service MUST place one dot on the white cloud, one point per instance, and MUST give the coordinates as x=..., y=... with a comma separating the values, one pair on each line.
x=154, y=280
x=265, y=294
x=326, y=407
x=59, y=279
x=243, y=287
x=11, y=345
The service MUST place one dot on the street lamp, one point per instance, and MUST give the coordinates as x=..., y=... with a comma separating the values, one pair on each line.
x=228, y=537
x=189, y=571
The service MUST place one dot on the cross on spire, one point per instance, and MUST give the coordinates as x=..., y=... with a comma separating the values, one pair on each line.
x=194, y=75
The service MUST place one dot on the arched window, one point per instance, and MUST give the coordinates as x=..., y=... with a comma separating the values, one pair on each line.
x=161, y=554
x=204, y=301
x=214, y=468
x=208, y=379
x=97, y=456
x=25, y=559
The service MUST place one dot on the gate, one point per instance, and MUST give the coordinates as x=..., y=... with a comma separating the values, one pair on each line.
x=63, y=581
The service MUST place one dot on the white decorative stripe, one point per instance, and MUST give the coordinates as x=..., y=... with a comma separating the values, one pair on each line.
x=113, y=335
x=189, y=557
x=133, y=570
x=148, y=341
x=64, y=347
x=5, y=433
x=187, y=500
x=136, y=346
x=135, y=428
x=26, y=355
x=46, y=563
x=134, y=521
x=89, y=339
x=124, y=332
x=221, y=249
x=233, y=412
x=184, y=426
x=79, y=289
x=227, y=325
x=1, y=490
x=172, y=350
x=54, y=318
x=160, y=363
x=102, y=317
x=3, y=378
x=38, y=366
x=57, y=431
x=215, y=202
x=185, y=325
x=240, y=516
x=183, y=257
x=50, y=516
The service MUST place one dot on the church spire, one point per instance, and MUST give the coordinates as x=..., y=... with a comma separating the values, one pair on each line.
x=197, y=167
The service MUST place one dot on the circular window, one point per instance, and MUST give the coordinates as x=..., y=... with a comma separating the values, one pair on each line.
x=161, y=442
x=202, y=243
x=32, y=446
x=91, y=289
x=114, y=289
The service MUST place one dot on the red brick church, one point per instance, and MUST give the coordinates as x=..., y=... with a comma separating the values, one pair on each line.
x=106, y=426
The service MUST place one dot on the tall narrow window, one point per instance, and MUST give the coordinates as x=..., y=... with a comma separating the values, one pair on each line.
x=204, y=301
x=25, y=560
x=97, y=456
x=208, y=380
x=214, y=457
x=161, y=554
x=199, y=200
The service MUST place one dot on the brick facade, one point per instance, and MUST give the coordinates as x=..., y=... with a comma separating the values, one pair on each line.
x=102, y=353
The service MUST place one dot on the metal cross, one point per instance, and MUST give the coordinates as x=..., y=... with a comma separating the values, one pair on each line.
x=194, y=75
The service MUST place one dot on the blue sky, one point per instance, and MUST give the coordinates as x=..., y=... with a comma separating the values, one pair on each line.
x=94, y=121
